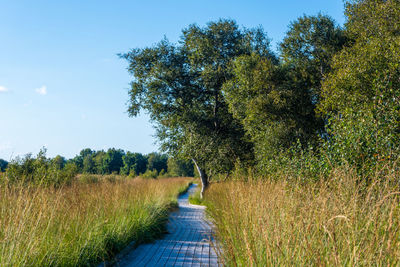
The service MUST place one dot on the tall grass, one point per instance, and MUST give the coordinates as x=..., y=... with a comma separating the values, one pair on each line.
x=337, y=222
x=81, y=224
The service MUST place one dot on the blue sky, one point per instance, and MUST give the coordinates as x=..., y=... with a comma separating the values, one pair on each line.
x=62, y=85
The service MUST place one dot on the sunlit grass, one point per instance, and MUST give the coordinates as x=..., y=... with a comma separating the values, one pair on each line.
x=195, y=198
x=81, y=224
x=339, y=222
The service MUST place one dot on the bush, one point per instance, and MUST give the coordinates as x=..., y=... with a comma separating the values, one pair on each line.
x=89, y=178
x=150, y=174
x=39, y=171
x=364, y=139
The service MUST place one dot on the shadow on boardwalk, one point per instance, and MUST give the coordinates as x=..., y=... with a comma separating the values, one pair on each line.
x=187, y=244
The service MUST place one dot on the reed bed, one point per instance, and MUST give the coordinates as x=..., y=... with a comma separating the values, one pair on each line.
x=81, y=224
x=337, y=222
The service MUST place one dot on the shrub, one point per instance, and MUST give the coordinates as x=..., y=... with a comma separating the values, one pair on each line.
x=39, y=171
x=150, y=174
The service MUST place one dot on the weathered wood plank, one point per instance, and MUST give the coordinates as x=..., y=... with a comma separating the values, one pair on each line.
x=186, y=244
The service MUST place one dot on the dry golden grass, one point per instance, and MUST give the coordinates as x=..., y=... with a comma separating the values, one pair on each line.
x=340, y=222
x=81, y=224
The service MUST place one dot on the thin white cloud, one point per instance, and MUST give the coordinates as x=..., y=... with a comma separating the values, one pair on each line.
x=42, y=90
x=3, y=89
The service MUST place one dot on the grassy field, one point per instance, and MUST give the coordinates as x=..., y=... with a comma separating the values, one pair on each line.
x=342, y=222
x=82, y=224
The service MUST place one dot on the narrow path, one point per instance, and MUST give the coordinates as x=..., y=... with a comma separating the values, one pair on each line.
x=188, y=242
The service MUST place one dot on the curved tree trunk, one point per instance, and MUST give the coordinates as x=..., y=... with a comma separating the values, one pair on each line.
x=203, y=178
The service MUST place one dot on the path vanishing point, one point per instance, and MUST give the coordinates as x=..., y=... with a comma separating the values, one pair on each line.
x=188, y=242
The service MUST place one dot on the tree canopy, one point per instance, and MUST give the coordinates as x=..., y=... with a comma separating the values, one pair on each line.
x=180, y=86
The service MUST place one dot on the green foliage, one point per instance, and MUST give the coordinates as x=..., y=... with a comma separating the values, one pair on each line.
x=88, y=164
x=361, y=94
x=362, y=139
x=98, y=159
x=150, y=174
x=40, y=170
x=308, y=48
x=180, y=86
x=112, y=160
x=259, y=98
x=180, y=167
x=3, y=165
x=157, y=162
x=133, y=164
x=275, y=101
x=59, y=162
x=372, y=18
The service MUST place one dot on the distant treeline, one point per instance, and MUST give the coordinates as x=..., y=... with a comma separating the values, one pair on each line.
x=40, y=169
x=122, y=162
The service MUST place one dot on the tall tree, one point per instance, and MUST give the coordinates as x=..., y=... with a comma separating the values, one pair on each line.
x=276, y=100
x=308, y=49
x=261, y=96
x=180, y=85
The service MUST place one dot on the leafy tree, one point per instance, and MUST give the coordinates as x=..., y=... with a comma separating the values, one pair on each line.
x=140, y=163
x=261, y=97
x=134, y=163
x=98, y=162
x=39, y=170
x=367, y=71
x=112, y=161
x=361, y=95
x=181, y=88
x=308, y=49
x=59, y=162
x=275, y=101
x=180, y=167
x=89, y=164
x=78, y=160
x=3, y=165
x=157, y=162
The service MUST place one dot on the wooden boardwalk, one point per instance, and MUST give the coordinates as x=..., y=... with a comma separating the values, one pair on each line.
x=188, y=242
